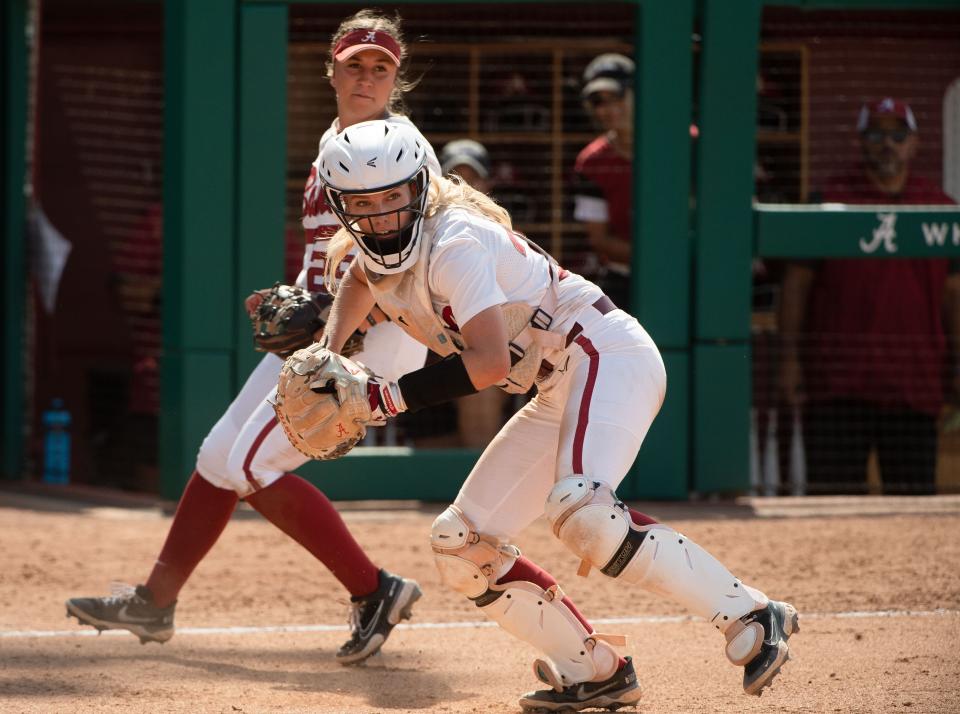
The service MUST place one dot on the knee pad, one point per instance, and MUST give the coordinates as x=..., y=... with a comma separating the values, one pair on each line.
x=588, y=518
x=472, y=563
x=468, y=562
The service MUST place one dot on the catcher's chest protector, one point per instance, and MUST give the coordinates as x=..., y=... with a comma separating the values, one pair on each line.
x=405, y=297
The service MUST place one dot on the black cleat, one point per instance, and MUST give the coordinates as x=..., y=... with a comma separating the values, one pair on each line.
x=128, y=608
x=620, y=690
x=779, y=620
x=373, y=616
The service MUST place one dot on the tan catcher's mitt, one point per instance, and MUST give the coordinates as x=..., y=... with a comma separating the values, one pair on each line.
x=288, y=317
x=322, y=402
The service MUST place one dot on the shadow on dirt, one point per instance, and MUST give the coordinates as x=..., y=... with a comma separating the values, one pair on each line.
x=385, y=682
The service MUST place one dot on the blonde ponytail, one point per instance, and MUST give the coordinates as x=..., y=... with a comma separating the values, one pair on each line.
x=454, y=192
x=341, y=243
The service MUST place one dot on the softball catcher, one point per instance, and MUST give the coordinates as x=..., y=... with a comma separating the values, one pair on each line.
x=443, y=262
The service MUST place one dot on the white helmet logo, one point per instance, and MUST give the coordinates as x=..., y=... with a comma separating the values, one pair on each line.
x=372, y=163
x=370, y=37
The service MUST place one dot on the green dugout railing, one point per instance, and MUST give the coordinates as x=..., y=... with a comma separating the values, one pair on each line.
x=834, y=231
x=225, y=149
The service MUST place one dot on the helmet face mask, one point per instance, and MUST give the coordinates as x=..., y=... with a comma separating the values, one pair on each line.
x=388, y=239
x=368, y=159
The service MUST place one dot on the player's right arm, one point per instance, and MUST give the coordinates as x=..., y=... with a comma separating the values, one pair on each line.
x=487, y=359
x=463, y=274
x=353, y=303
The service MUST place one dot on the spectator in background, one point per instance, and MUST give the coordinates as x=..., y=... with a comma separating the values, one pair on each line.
x=871, y=334
x=478, y=417
x=469, y=160
x=604, y=175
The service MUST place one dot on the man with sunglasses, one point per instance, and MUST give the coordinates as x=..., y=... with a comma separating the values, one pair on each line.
x=873, y=335
x=604, y=175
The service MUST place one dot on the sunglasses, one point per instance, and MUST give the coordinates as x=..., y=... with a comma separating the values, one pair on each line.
x=876, y=136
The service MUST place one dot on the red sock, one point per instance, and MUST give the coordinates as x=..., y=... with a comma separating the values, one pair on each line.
x=202, y=514
x=641, y=519
x=304, y=513
x=526, y=569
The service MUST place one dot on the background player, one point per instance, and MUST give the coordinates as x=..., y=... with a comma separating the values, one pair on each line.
x=246, y=455
x=441, y=259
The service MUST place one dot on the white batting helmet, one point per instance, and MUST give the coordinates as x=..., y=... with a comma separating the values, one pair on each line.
x=371, y=157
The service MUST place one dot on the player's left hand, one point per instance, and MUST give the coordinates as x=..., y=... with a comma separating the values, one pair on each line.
x=386, y=401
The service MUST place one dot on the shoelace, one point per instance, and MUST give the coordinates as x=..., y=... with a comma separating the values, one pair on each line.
x=120, y=592
x=355, y=618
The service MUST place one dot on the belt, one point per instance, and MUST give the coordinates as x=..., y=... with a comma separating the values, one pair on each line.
x=603, y=305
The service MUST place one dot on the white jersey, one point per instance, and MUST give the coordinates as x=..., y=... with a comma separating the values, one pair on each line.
x=597, y=396
x=476, y=263
x=319, y=221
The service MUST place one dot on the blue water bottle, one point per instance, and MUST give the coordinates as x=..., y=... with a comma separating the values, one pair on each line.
x=56, y=443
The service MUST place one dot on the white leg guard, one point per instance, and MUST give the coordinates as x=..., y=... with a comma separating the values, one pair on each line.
x=589, y=519
x=471, y=563
x=540, y=618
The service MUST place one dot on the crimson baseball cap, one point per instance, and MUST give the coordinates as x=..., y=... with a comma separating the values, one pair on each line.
x=609, y=72
x=359, y=40
x=888, y=106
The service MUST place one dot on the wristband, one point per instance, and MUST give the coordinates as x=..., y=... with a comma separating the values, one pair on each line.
x=441, y=382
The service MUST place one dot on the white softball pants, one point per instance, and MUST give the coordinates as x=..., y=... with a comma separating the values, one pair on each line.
x=247, y=450
x=590, y=417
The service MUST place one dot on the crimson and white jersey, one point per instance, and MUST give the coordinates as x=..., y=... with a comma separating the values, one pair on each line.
x=476, y=263
x=319, y=221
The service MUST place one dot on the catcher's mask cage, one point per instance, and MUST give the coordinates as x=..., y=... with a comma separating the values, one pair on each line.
x=369, y=158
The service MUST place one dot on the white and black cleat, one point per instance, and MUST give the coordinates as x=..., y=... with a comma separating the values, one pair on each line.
x=621, y=690
x=128, y=608
x=779, y=621
x=373, y=616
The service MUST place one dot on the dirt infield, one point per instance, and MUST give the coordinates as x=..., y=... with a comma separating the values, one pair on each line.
x=879, y=597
